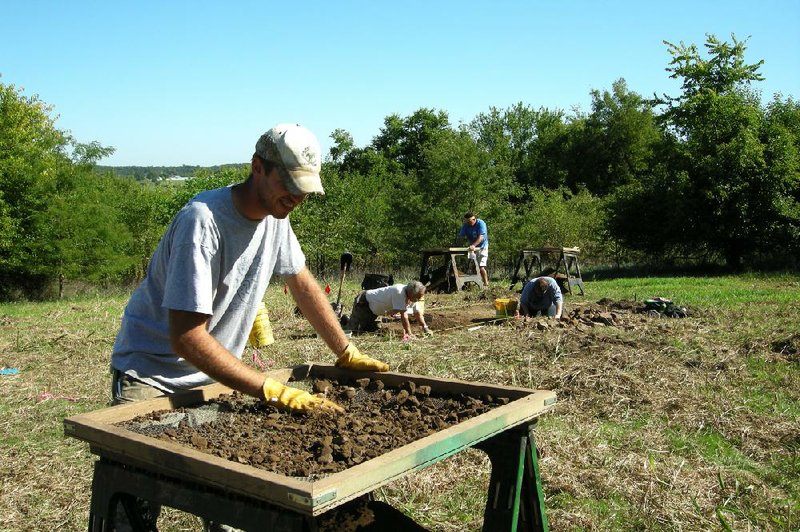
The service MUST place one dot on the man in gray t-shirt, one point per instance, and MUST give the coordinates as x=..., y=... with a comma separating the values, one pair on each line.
x=188, y=321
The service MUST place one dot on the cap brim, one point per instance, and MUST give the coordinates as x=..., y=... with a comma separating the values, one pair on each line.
x=307, y=183
x=300, y=182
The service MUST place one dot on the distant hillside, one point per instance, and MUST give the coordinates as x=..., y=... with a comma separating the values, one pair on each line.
x=158, y=173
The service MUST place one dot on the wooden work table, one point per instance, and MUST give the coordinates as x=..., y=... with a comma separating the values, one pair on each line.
x=530, y=261
x=452, y=257
x=134, y=465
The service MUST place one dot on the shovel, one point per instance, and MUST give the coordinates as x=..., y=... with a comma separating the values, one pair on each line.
x=345, y=261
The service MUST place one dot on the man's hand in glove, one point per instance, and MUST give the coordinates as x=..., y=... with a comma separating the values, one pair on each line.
x=351, y=358
x=294, y=399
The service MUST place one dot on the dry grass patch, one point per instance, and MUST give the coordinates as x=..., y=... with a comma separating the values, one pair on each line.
x=666, y=424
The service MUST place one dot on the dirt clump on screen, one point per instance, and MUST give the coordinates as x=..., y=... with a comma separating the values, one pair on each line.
x=377, y=419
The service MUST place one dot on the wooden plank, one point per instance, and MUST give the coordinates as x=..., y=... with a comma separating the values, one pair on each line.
x=550, y=249
x=437, y=384
x=445, y=251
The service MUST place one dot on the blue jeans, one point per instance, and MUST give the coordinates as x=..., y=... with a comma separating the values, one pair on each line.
x=549, y=311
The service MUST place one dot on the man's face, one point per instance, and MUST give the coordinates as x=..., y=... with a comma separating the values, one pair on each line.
x=273, y=196
x=471, y=220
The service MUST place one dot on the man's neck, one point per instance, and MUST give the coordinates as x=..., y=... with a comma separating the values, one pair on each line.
x=245, y=201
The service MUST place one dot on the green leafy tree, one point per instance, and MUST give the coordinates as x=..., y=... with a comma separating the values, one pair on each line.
x=720, y=186
x=33, y=156
x=613, y=145
x=718, y=119
x=528, y=143
x=145, y=209
x=404, y=140
x=781, y=138
x=343, y=144
x=58, y=218
x=351, y=216
x=555, y=218
x=82, y=235
x=461, y=177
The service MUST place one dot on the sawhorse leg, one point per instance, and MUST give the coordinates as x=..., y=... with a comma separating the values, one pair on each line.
x=113, y=482
x=526, y=260
x=532, y=258
x=515, y=274
x=456, y=272
x=570, y=262
x=424, y=270
x=515, y=500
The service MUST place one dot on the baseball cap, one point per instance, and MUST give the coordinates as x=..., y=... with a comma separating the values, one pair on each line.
x=296, y=152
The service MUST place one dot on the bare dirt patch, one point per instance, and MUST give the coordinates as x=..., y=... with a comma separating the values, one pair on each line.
x=787, y=348
x=478, y=310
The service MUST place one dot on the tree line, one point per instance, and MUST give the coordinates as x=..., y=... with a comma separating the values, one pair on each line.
x=160, y=173
x=711, y=174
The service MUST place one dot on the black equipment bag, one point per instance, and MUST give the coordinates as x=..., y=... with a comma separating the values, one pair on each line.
x=376, y=280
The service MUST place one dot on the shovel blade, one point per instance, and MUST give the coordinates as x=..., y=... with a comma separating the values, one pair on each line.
x=345, y=261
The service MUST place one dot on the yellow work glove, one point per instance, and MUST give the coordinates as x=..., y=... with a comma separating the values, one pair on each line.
x=351, y=358
x=294, y=399
x=261, y=332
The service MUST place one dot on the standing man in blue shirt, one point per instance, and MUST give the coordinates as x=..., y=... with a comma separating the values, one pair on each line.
x=474, y=230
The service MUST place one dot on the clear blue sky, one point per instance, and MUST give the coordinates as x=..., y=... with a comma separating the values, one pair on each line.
x=196, y=82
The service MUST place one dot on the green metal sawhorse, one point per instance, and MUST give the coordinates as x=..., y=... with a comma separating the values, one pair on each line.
x=515, y=500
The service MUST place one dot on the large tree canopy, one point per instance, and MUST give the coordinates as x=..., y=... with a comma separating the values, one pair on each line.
x=725, y=174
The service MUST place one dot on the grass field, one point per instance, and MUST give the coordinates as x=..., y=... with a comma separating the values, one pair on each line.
x=665, y=424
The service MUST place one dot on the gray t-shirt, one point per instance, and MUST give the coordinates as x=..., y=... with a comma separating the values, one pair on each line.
x=214, y=261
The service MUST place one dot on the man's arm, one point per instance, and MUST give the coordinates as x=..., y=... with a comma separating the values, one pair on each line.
x=475, y=245
x=406, y=323
x=191, y=340
x=421, y=319
x=317, y=310
x=558, y=298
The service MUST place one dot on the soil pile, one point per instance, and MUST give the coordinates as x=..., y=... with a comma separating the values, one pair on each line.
x=478, y=309
x=377, y=419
